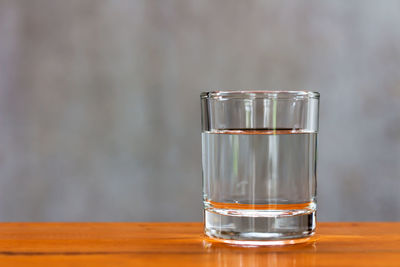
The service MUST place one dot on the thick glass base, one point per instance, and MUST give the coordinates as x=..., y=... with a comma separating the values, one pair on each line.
x=269, y=227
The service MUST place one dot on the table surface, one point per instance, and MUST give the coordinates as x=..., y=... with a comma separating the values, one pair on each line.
x=183, y=244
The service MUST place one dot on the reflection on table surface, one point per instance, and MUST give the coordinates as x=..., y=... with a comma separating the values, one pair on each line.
x=222, y=254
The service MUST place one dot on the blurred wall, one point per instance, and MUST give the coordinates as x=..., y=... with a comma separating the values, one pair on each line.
x=100, y=113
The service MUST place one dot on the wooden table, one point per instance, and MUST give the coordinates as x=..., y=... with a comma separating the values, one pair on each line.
x=182, y=244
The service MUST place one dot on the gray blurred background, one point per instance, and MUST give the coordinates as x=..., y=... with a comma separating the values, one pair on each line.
x=100, y=110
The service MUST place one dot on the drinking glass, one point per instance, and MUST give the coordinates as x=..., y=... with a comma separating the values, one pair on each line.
x=259, y=163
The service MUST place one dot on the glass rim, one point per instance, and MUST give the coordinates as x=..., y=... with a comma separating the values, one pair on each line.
x=254, y=94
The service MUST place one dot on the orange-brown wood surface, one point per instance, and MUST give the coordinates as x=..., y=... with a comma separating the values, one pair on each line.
x=183, y=244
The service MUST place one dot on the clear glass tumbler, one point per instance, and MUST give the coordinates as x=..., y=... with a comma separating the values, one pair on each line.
x=259, y=153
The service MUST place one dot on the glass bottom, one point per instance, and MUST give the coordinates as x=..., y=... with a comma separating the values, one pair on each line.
x=260, y=227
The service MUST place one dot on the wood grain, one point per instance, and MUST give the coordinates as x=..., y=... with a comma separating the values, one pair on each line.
x=183, y=244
